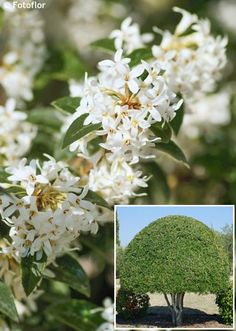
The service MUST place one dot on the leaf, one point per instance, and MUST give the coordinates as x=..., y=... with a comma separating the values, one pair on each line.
x=140, y=54
x=69, y=271
x=45, y=117
x=7, y=305
x=31, y=273
x=67, y=105
x=104, y=44
x=159, y=176
x=15, y=190
x=96, y=199
x=4, y=175
x=80, y=315
x=72, y=66
x=78, y=130
x=173, y=150
x=178, y=120
x=93, y=145
x=162, y=130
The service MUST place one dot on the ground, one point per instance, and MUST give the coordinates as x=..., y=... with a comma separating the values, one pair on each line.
x=200, y=312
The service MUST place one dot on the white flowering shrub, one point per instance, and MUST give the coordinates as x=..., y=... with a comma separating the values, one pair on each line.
x=75, y=141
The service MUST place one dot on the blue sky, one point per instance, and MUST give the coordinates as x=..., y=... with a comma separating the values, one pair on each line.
x=134, y=218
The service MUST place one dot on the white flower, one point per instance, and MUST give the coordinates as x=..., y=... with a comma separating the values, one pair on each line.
x=107, y=315
x=15, y=133
x=129, y=37
x=116, y=182
x=187, y=20
x=25, y=53
x=53, y=211
x=192, y=60
x=198, y=121
x=126, y=106
x=26, y=175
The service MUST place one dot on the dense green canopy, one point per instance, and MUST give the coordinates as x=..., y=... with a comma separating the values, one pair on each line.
x=172, y=255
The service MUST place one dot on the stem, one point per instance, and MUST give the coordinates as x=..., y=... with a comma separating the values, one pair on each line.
x=167, y=300
x=177, y=308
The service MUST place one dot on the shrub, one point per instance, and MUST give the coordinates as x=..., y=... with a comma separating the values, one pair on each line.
x=130, y=305
x=181, y=255
x=119, y=256
x=224, y=300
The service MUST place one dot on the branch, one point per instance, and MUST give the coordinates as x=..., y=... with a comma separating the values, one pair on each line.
x=167, y=300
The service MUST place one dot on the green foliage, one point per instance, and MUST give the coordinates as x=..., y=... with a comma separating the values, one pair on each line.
x=178, y=120
x=80, y=315
x=7, y=305
x=14, y=189
x=140, y=54
x=3, y=175
x=69, y=271
x=119, y=257
x=159, y=177
x=226, y=236
x=224, y=300
x=105, y=44
x=96, y=199
x=78, y=130
x=45, y=117
x=67, y=105
x=31, y=273
x=181, y=255
x=173, y=150
x=162, y=130
x=130, y=305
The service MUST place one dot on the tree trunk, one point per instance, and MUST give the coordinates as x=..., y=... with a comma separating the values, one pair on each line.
x=176, y=307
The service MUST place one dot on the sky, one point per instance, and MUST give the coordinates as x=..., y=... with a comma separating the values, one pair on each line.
x=134, y=218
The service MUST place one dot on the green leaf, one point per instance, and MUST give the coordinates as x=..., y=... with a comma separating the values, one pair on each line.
x=4, y=175
x=96, y=199
x=72, y=66
x=159, y=176
x=15, y=190
x=173, y=150
x=67, y=105
x=178, y=120
x=80, y=315
x=31, y=273
x=140, y=54
x=78, y=130
x=69, y=271
x=7, y=305
x=104, y=44
x=45, y=117
x=93, y=145
x=162, y=130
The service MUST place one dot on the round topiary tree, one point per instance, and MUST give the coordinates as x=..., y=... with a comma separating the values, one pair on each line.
x=174, y=255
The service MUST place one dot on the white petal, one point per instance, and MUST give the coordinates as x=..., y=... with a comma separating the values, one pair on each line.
x=133, y=86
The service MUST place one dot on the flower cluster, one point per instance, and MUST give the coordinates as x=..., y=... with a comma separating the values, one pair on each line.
x=49, y=210
x=193, y=60
x=16, y=136
x=23, y=52
x=116, y=181
x=126, y=105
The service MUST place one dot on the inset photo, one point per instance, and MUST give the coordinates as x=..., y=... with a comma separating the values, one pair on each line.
x=174, y=267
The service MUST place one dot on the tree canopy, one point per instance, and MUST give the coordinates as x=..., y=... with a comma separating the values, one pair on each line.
x=175, y=254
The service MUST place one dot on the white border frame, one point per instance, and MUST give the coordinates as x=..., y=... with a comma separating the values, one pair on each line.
x=153, y=328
